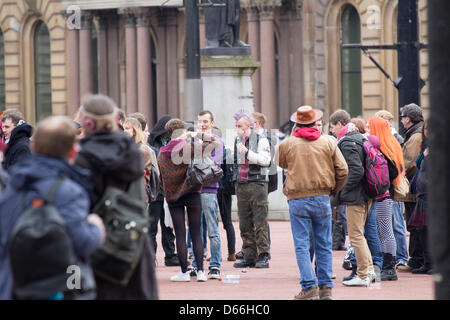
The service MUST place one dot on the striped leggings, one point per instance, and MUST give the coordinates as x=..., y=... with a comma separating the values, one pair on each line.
x=384, y=226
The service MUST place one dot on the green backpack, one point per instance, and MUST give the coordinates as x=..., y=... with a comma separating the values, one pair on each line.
x=126, y=220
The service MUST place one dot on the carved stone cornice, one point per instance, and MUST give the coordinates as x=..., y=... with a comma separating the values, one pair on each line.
x=86, y=20
x=252, y=13
x=143, y=17
x=129, y=15
x=267, y=8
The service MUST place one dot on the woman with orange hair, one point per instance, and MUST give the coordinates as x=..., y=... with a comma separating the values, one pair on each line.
x=392, y=150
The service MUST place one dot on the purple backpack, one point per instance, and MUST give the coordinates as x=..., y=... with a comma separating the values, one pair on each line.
x=376, y=181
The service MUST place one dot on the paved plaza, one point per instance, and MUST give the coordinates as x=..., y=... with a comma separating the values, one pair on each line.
x=281, y=280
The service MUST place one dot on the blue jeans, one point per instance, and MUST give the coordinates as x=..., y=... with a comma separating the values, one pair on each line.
x=210, y=208
x=316, y=211
x=372, y=238
x=400, y=232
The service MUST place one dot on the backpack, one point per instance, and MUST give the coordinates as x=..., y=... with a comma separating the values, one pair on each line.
x=126, y=220
x=376, y=172
x=41, y=251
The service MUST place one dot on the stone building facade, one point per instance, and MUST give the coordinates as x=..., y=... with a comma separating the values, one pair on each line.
x=53, y=55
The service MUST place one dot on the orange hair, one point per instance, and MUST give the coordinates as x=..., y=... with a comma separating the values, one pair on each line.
x=388, y=144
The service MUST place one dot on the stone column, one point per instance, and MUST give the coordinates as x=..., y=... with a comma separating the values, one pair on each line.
x=113, y=57
x=86, y=76
x=268, y=89
x=161, y=67
x=254, y=41
x=131, y=61
x=172, y=64
x=202, y=26
x=296, y=69
x=102, y=54
x=144, y=74
x=74, y=68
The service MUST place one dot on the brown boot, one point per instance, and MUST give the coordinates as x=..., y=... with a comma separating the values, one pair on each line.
x=312, y=293
x=231, y=257
x=325, y=293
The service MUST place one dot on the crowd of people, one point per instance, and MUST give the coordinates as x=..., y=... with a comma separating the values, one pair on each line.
x=104, y=159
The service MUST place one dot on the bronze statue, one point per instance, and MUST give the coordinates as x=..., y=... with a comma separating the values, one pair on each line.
x=223, y=24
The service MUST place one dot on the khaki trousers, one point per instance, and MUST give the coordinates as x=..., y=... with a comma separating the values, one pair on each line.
x=356, y=220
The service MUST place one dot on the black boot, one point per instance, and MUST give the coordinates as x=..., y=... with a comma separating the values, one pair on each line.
x=388, y=272
x=351, y=275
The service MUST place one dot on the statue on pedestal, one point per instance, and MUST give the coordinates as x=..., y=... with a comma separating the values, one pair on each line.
x=223, y=24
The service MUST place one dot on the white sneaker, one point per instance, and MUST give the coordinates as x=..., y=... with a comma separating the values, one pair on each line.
x=201, y=276
x=181, y=277
x=357, y=282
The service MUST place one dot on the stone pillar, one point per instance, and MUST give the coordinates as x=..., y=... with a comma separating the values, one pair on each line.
x=202, y=26
x=86, y=76
x=268, y=89
x=144, y=60
x=296, y=69
x=254, y=41
x=131, y=61
x=74, y=75
x=102, y=54
x=172, y=63
x=161, y=66
x=113, y=58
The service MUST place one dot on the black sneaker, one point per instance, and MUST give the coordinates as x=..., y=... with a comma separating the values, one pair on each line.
x=421, y=270
x=244, y=264
x=351, y=275
x=214, y=273
x=172, y=262
x=193, y=272
x=240, y=255
x=263, y=261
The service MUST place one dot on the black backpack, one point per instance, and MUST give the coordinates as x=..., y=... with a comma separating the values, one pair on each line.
x=126, y=220
x=41, y=251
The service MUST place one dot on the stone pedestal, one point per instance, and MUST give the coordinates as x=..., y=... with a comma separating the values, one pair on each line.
x=227, y=88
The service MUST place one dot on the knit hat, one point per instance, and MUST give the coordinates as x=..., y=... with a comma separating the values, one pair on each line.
x=99, y=113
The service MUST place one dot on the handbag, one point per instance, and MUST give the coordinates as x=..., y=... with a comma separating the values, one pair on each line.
x=401, y=191
x=204, y=172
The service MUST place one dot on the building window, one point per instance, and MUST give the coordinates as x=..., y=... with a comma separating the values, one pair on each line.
x=350, y=32
x=42, y=68
x=2, y=73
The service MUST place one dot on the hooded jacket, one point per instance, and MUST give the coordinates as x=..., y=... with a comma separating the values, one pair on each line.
x=411, y=148
x=351, y=146
x=158, y=131
x=315, y=166
x=114, y=160
x=18, y=145
x=31, y=178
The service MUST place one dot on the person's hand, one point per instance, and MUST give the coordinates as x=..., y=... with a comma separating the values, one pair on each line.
x=94, y=219
x=426, y=152
x=242, y=149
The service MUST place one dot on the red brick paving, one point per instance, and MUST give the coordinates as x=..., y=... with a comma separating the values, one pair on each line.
x=281, y=280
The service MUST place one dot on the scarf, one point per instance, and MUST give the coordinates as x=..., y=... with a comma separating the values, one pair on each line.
x=349, y=127
x=310, y=134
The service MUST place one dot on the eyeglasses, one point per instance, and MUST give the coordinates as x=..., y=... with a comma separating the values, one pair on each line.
x=402, y=116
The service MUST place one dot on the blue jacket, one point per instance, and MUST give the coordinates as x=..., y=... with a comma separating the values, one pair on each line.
x=36, y=174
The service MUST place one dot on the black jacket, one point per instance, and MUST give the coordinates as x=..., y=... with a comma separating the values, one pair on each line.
x=154, y=140
x=351, y=147
x=114, y=160
x=18, y=145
